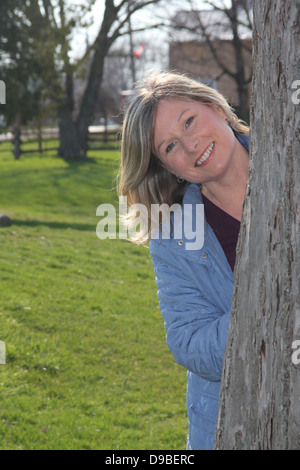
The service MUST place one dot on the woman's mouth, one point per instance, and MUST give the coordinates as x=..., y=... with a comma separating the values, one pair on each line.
x=205, y=156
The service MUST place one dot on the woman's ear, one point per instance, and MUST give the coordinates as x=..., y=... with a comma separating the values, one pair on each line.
x=162, y=165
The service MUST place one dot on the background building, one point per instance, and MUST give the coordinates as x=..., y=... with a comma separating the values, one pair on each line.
x=216, y=48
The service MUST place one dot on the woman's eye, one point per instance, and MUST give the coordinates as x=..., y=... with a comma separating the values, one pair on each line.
x=189, y=122
x=170, y=147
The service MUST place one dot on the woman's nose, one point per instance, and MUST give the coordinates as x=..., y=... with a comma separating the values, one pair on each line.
x=190, y=144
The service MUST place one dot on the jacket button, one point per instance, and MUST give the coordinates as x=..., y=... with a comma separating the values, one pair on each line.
x=181, y=242
x=204, y=255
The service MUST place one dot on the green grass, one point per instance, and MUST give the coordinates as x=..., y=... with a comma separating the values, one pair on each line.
x=87, y=362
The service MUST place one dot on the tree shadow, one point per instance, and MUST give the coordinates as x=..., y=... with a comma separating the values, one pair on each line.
x=54, y=225
x=73, y=163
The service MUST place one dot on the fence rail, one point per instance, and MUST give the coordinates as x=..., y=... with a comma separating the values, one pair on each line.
x=98, y=139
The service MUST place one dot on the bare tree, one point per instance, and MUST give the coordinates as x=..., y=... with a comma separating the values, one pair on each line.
x=259, y=400
x=223, y=30
x=114, y=24
x=46, y=29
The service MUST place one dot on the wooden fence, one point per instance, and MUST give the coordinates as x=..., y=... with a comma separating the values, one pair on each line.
x=99, y=138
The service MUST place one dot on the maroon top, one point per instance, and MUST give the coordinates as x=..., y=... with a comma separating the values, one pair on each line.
x=225, y=226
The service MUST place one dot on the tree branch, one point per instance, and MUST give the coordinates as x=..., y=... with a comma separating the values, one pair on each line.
x=213, y=49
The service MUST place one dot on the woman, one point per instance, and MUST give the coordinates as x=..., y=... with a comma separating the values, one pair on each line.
x=182, y=143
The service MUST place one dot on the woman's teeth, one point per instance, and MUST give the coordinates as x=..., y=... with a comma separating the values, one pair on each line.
x=205, y=155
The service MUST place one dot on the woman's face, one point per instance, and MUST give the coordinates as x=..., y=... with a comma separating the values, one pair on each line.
x=193, y=140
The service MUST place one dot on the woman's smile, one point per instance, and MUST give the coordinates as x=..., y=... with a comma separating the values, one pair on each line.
x=206, y=156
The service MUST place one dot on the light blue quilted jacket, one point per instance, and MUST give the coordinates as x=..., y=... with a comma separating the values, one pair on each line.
x=195, y=291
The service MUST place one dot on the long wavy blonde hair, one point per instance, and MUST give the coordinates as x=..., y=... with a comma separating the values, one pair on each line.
x=141, y=177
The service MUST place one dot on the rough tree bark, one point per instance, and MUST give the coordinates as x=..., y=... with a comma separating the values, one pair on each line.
x=259, y=400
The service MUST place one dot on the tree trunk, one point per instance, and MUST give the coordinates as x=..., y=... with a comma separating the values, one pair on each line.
x=73, y=134
x=69, y=143
x=239, y=76
x=89, y=99
x=101, y=47
x=259, y=399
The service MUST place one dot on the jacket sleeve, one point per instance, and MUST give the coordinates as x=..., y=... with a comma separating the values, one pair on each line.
x=196, y=328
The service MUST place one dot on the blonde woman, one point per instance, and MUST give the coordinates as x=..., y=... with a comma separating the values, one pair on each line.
x=183, y=146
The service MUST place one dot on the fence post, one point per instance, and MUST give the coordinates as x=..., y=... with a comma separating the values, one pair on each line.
x=17, y=142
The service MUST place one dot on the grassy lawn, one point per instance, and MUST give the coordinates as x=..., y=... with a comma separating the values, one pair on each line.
x=87, y=366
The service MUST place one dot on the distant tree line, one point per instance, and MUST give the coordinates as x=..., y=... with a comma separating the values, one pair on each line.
x=35, y=46
x=43, y=81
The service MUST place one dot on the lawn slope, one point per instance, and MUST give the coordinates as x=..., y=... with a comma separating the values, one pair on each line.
x=87, y=362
